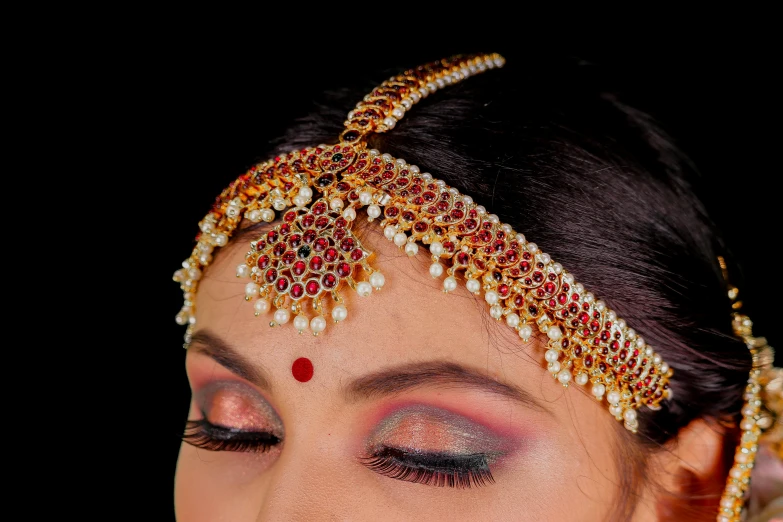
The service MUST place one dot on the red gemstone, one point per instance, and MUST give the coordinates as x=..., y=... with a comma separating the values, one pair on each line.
x=290, y=216
x=294, y=240
x=538, y=277
x=263, y=262
x=316, y=263
x=503, y=290
x=321, y=222
x=282, y=284
x=297, y=290
x=260, y=244
x=484, y=236
x=512, y=256
x=289, y=257
x=602, y=366
x=272, y=236
x=331, y=254
x=533, y=310
x=429, y=196
x=319, y=208
x=357, y=254
x=339, y=234
x=308, y=220
x=575, y=297
x=595, y=326
x=448, y=246
x=462, y=258
x=408, y=216
x=270, y=275
x=279, y=249
x=320, y=244
x=343, y=269
x=524, y=265
x=285, y=229
x=589, y=361
x=562, y=298
x=309, y=236
x=329, y=280
x=457, y=214
x=584, y=317
x=299, y=268
x=347, y=244
x=420, y=226
x=312, y=287
x=614, y=345
x=577, y=349
x=550, y=288
x=391, y=212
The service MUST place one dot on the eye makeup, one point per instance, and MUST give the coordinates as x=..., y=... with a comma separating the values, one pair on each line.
x=234, y=417
x=430, y=445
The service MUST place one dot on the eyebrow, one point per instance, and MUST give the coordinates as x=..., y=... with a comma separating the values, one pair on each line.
x=398, y=379
x=384, y=383
x=212, y=345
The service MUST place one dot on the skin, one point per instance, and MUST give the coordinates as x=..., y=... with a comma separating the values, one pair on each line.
x=558, y=458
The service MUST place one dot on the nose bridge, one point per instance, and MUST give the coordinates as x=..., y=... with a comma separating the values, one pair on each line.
x=309, y=480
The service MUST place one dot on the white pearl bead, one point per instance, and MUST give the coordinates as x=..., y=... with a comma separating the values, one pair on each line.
x=278, y=204
x=564, y=376
x=194, y=274
x=554, y=333
x=301, y=323
x=389, y=232
x=299, y=201
x=243, y=270
x=551, y=355
x=365, y=198
x=414, y=169
x=306, y=192
x=467, y=200
x=377, y=280
x=436, y=270
x=520, y=238
x=254, y=215
x=389, y=122
x=411, y=249
x=373, y=211
x=473, y=285
x=615, y=410
x=387, y=156
x=261, y=306
x=282, y=316
x=207, y=227
x=205, y=259
x=640, y=342
x=318, y=324
x=656, y=359
x=598, y=390
x=491, y=297
x=621, y=324
x=364, y=289
x=558, y=268
x=232, y=212
x=336, y=204
x=493, y=218
x=554, y=367
x=221, y=240
x=496, y=312
x=450, y=284
x=251, y=289
x=581, y=379
x=610, y=315
x=664, y=368
x=400, y=239
x=629, y=415
x=339, y=313
x=525, y=332
x=398, y=113
x=349, y=214
x=267, y=215
x=532, y=248
x=436, y=248
x=512, y=320
x=613, y=397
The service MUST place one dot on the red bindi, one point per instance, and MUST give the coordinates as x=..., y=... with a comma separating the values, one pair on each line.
x=302, y=369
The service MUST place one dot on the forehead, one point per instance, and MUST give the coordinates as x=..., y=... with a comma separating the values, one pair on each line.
x=408, y=320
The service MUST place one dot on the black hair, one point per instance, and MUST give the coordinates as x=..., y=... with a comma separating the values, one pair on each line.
x=598, y=185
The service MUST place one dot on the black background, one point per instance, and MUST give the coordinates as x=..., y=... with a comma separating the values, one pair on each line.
x=206, y=107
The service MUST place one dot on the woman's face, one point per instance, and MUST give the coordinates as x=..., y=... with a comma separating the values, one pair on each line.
x=415, y=396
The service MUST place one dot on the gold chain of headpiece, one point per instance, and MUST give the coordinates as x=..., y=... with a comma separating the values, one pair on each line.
x=763, y=407
x=310, y=255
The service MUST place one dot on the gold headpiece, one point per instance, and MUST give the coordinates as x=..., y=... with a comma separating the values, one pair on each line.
x=311, y=254
x=762, y=410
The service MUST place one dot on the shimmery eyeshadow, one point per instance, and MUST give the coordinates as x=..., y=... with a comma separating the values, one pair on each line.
x=237, y=406
x=424, y=428
x=302, y=369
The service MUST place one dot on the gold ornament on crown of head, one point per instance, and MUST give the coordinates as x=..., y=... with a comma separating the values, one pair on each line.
x=312, y=252
x=760, y=414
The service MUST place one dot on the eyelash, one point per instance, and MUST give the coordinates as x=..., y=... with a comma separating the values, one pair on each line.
x=205, y=435
x=433, y=469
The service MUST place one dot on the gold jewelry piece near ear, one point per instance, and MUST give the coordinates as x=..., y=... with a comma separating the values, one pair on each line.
x=760, y=413
x=311, y=254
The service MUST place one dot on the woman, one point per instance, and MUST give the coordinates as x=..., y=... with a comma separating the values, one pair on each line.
x=420, y=405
